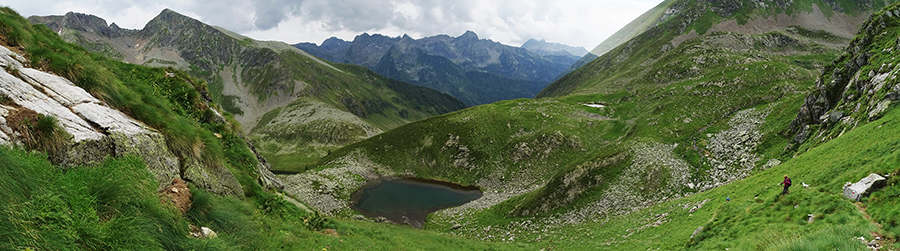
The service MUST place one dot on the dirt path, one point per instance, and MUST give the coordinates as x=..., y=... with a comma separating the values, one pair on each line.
x=877, y=234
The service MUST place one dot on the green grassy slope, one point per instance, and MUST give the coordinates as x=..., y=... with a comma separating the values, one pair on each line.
x=757, y=217
x=626, y=65
x=294, y=136
x=637, y=26
x=115, y=205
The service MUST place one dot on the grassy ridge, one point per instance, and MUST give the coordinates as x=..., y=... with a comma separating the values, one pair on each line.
x=628, y=62
x=510, y=137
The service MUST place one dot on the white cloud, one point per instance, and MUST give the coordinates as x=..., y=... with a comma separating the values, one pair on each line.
x=576, y=22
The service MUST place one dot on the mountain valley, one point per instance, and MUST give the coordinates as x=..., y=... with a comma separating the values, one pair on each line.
x=673, y=134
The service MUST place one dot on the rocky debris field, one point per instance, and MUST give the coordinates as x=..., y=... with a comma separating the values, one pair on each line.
x=329, y=190
x=731, y=151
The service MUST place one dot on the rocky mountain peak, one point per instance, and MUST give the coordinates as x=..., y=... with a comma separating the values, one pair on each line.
x=334, y=41
x=171, y=19
x=81, y=22
x=368, y=49
x=197, y=42
x=468, y=36
x=406, y=44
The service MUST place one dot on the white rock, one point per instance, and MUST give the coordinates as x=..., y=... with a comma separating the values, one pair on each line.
x=8, y=57
x=109, y=119
x=27, y=96
x=856, y=190
x=58, y=88
x=207, y=233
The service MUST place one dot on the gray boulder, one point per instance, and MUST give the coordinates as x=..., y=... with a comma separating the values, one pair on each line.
x=855, y=191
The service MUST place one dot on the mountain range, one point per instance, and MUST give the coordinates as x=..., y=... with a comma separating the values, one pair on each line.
x=475, y=71
x=543, y=47
x=265, y=84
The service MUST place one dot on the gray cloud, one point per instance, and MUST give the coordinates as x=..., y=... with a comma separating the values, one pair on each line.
x=269, y=13
x=577, y=22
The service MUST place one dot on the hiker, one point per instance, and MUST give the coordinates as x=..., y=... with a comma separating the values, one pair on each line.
x=787, y=183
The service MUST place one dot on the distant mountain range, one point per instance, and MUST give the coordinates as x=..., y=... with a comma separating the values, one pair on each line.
x=547, y=48
x=475, y=71
x=295, y=106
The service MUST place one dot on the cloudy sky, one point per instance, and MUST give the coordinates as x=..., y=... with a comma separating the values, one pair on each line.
x=575, y=22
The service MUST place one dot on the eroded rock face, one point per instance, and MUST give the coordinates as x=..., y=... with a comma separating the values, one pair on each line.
x=97, y=131
x=854, y=90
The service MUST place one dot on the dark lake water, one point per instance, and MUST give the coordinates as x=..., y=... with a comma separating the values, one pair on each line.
x=408, y=201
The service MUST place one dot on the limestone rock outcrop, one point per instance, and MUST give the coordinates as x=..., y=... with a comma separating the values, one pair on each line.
x=97, y=131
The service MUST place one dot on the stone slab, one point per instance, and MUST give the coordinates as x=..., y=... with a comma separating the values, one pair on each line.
x=857, y=190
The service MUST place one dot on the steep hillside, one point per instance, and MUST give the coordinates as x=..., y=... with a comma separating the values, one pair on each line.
x=267, y=86
x=644, y=22
x=643, y=59
x=475, y=71
x=83, y=109
x=856, y=88
x=697, y=102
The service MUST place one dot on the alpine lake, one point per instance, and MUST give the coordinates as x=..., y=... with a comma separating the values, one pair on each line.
x=409, y=201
